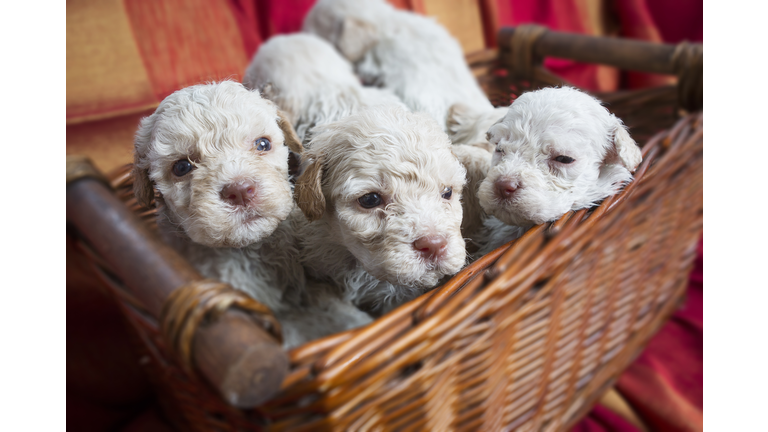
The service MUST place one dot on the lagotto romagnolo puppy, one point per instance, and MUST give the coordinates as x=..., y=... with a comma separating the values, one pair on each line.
x=381, y=189
x=408, y=53
x=310, y=82
x=557, y=149
x=218, y=156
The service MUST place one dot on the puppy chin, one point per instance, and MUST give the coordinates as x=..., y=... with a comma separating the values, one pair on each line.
x=239, y=232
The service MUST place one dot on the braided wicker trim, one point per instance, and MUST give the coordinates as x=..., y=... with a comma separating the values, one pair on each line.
x=522, y=61
x=79, y=167
x=200, y=302
x=688, y=61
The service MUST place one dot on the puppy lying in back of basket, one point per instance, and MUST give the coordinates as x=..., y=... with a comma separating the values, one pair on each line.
x=557, y=149
x=408, y=53
x=310, y=82
x=218, y=156
x=381, y=189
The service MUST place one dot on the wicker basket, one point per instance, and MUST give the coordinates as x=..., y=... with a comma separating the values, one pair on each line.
x=526, y=338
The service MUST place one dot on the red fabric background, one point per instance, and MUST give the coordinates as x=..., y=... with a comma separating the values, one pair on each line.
x=665, y=383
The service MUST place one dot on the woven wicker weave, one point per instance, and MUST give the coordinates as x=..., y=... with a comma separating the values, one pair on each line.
x=526, y=338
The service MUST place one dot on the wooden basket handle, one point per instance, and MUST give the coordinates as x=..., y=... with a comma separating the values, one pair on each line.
x=525, y=46
x=230, y=338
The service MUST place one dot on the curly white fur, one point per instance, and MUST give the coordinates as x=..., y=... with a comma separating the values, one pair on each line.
x=408, y=53
x=310, y=82
x=404, y=157
x=539, y=127
x=253, y=247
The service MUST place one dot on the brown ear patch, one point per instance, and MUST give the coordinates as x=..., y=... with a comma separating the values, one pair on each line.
x=291, y=139
x=142, y=186
x=308, y=192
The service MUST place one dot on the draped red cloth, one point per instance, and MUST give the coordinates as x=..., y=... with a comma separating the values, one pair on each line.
x=106, y=389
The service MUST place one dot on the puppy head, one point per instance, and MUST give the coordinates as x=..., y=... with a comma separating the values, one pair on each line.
x=218, y=155
x=557, y=149
x=387, y=182
x=352, y=26
x=470, y=126
x=305, y=76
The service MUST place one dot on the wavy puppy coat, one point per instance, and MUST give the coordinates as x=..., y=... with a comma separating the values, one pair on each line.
x=218, y=156
x=381, y=189
x=407, y=53
x=310, y=82
x=557, y=149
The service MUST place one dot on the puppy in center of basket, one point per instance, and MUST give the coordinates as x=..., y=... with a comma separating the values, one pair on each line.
x=218, y=156
x=382, y=190
x=557, y=149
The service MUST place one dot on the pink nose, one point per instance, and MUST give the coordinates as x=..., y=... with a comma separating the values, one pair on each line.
x=505, y=189
x=430, y=246
x=239, y=194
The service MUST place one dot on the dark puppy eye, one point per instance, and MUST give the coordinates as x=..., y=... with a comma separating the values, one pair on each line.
x=262, y=144
x=181, y=168
x=447, y=192
x=370, y=200
x=564, y=159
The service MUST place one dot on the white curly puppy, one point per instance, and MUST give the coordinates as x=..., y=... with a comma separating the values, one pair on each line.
x=218, y=156
x=408, y=53
x=557, y=149
x=382, y=190
x=310, y=82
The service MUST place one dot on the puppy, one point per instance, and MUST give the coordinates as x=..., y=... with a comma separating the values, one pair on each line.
x=218, y=156
x=410, y=54
x=381, y=189
x=557, y=149
x=310, y=82
x=467, y=125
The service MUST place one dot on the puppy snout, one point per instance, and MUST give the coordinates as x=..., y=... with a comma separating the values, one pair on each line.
x=431, y=247
x=505, y=188
x=239, y=194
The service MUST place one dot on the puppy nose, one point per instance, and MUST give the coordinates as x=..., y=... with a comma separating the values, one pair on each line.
x=238, y=194
x=505, y=189
x=430, y=246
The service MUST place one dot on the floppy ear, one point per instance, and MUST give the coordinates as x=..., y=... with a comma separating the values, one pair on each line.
x=142, y=186
x=356, y=37
x=625, y=151
x=308, y=191
x=458, y=114
x=291, y=140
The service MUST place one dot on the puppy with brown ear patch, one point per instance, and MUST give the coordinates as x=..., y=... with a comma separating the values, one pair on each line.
x=557, y=149
x=382, y=192
x=218, y=156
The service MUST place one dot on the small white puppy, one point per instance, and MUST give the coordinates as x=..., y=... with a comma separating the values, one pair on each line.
x=382, y=190
x=218, y=156
x=408, y=53
x=467, y=125
x=557, y=149
x=310, y=82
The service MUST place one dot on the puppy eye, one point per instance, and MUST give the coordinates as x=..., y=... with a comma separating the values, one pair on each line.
x=262, y=144
x=564, y=159
x=181, y=168
x=447, y=192
x=370, y=200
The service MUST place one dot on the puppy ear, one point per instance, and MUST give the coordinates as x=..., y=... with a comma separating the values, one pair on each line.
x=291, y=140
x=625, y=151
x=458, y=114
x=142, y=186
x=355, y=38
x=309, y=192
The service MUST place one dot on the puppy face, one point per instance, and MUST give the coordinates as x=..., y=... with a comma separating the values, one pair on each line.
x=217, y=154
x=387, y=182
x=557, y=149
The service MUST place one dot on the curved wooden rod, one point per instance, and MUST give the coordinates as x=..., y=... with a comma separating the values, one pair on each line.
x=239, y=358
